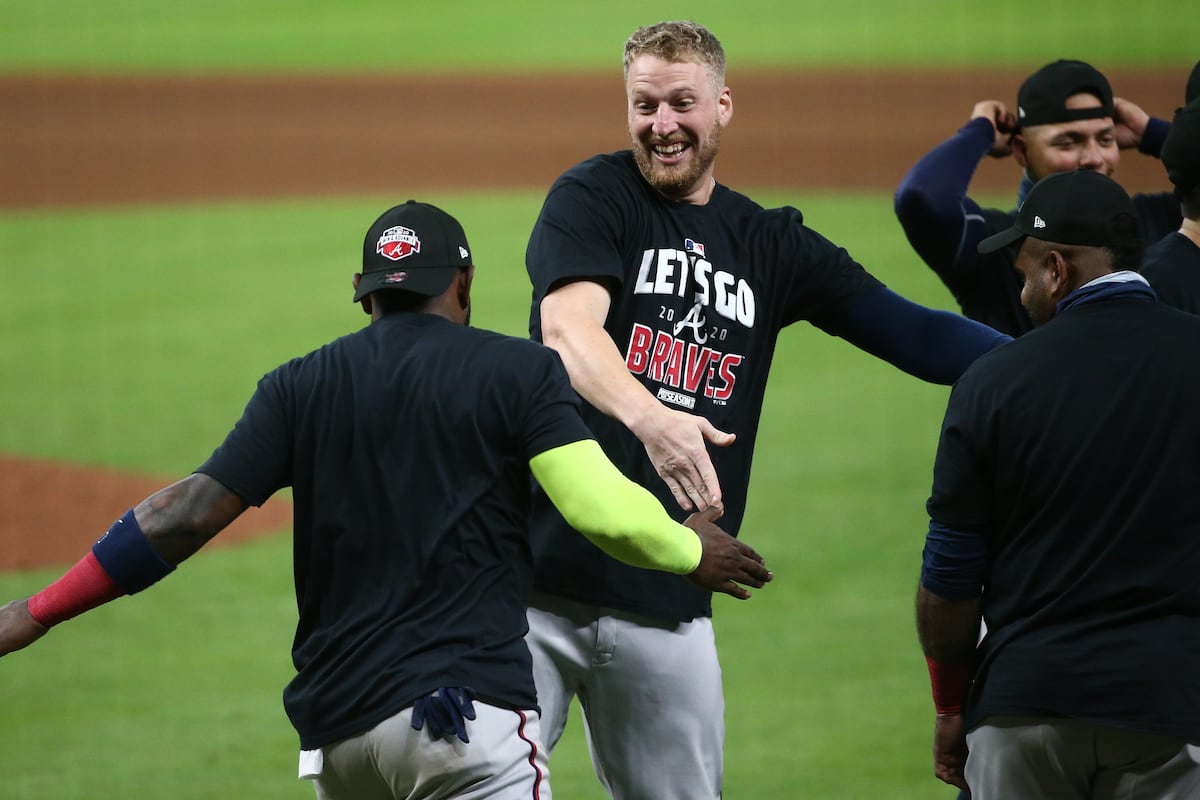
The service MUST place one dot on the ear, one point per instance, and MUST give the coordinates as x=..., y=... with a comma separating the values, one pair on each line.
x=1020, y=150
x=725, y=106
x=366, y=301
x=463, y=286
x=1059, y=275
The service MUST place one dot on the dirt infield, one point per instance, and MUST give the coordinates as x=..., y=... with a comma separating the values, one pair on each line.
x=81, y=141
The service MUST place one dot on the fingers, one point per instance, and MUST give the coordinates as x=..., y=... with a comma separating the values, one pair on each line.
x=734, y=590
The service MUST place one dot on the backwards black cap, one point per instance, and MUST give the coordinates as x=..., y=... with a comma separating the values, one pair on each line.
x=1181, y=150
x=1042, y=98
x=414, y=247
x=1080, y=208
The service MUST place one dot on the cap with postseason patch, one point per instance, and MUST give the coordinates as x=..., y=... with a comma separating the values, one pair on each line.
x=414, y=247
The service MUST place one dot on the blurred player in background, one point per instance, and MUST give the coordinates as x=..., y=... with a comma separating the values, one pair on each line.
x=1066, y=119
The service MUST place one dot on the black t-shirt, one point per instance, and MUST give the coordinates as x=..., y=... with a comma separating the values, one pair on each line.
x=408, y=445
x=1076, y=448
x=988, y=288
x=1172, y=265
x=699, y=295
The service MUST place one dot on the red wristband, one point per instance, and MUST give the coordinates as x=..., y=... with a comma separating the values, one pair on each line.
x=950, y=686
x=83, y=587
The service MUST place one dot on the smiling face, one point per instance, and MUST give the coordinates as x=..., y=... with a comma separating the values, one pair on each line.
x=1068, y=146
x=676, y=114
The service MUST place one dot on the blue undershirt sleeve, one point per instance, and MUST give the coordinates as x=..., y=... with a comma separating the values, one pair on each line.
x=930, y=344
x=931, y=201
x=954, y=564
x=1154, y=137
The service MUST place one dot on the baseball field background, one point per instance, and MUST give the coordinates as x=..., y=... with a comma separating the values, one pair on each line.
x=183, y=193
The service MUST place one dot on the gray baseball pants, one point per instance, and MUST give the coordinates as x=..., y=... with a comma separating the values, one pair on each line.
x=1014, y=757
x=651, y=695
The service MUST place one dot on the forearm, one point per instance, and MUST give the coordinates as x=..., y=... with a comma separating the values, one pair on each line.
x=948, y=631
x=948, y=628
x=617, y=515
x=931, y=202
x=598, y=372
x=141, y=548
x=930, y=344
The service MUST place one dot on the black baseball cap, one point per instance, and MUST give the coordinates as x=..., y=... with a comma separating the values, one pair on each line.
x=1042, y=98
x=414, y=247
x=1077, y=208
x=1181, y=150
x=1193, y=85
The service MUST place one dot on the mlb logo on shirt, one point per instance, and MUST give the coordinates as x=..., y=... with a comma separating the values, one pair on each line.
x=692, y=246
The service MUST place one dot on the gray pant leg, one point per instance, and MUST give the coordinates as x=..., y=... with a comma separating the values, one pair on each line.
x=560, y=638
x=655, y=709
x=1014, y=757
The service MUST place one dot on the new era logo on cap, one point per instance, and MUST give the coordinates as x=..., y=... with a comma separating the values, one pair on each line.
x=1038, y=222
x=462, y=251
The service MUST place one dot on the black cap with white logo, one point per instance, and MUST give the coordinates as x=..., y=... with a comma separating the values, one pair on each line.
x=1042, y=98
x=1079, y=208
x=414, y=247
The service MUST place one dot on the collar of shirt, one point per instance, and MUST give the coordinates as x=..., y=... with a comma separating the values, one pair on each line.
x=1123, y=283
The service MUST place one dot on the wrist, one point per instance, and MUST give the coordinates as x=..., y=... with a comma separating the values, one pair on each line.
x=950, y=684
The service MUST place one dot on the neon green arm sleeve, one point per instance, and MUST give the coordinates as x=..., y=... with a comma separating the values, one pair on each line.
x=618, y=516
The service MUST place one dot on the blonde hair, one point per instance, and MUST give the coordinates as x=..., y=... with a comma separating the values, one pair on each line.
x=678, y=41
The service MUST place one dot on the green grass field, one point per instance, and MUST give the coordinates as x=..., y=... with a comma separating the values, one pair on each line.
x=132, y=337
x=313, y=35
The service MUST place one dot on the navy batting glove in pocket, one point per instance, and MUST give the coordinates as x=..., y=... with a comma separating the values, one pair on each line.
x=444, y=712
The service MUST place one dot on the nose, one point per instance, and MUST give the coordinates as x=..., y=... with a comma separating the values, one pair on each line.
x=1092, y=156
x=665, y=122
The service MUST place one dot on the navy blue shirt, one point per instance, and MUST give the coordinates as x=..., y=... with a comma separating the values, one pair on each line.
x=407, y=445
x=1075, y=452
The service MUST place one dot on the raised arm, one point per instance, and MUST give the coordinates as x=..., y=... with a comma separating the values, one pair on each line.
x=572, y=321
x=931, y=202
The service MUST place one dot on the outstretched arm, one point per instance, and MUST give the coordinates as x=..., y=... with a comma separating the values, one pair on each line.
x=931, y=202
x=627, y=522
x=931, y=344
x=139, y=549
x=572, y=318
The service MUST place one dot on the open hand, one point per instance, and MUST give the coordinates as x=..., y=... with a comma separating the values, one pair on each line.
x=725, y=562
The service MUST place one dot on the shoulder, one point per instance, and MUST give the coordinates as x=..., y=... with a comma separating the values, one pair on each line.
x=615, y=167
x=501, y=351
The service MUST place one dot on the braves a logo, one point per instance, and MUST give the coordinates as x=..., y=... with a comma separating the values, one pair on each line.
x=695, y=320
x=397, y=243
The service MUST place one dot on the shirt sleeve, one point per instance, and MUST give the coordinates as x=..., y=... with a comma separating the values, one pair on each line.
x=576, y=235
x=552, y=418
x=961, y=498
x=255, y=459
